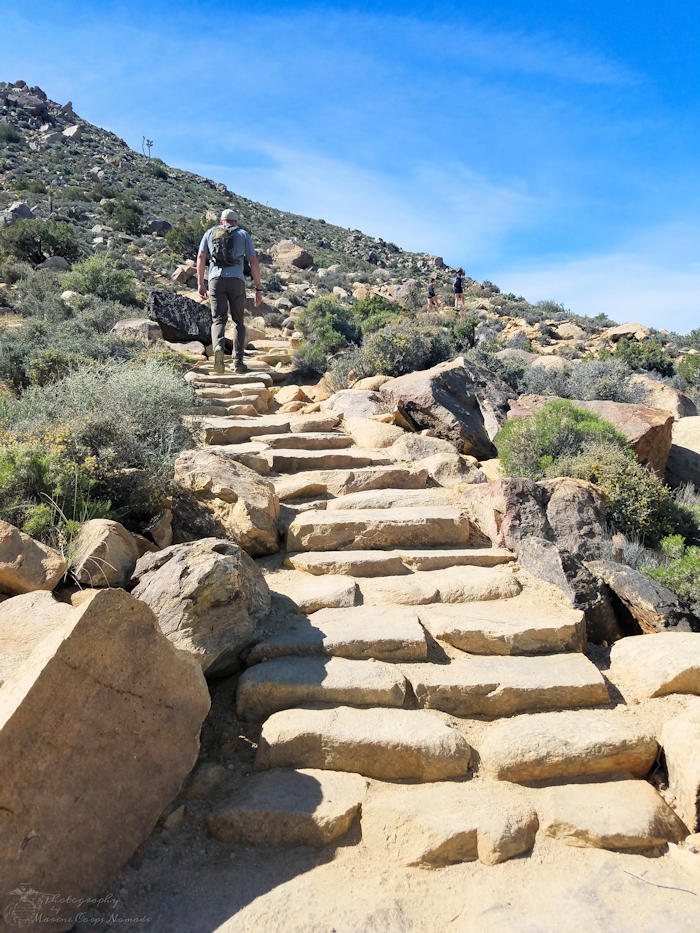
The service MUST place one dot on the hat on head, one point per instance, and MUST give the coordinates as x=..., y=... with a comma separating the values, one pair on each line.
x=229, y=215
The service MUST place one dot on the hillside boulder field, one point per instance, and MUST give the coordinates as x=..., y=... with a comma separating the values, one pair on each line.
x=394, y=628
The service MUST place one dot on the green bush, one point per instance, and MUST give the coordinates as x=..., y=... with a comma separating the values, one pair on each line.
x=156, y=168
x=124, y=216
x=328, y=327
x=403, y=347
x=376, y=311
x=35, y=240
x=9, y=135
x=530, y=446
x=100, y=190
x=36, y=186
x=98, y=275
x=647, y=355
x=681, y=572
x=184, y=239
x=689, y=369
x=464, y=332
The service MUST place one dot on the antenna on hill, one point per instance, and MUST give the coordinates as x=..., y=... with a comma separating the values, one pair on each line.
x=146, y=144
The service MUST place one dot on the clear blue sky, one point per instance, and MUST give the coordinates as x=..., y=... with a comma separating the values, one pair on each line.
x=551, y=146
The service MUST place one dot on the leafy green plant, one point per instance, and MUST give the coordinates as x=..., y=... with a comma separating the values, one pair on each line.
x=124, y=215
x=376, y=311
x=184, y=238
x=98, y=275
x=642, y=355
x=9, y=135
x=689, y=369
x=681, y=570
x=400, y=348
x=35, y=240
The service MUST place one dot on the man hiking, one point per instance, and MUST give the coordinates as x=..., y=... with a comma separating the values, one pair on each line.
x=226, y=246
x=458, y=289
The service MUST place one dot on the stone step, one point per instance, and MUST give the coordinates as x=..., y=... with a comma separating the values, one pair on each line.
x=290, y=808
x=500, y=686
x=506, y=626
x=387, y=744
x=233, y=392
x=396, y=562
x=359, y=529
x=282, y=683
x=296, y=461
x=386, y=634
x=569, y=744
x=341, y=482
x=250, y=454
x=233, y=406
x=320, y=423
x=322, y=440
x=244, y=407
x=202, y=380
x=268, y=344
x=395, y=498
x=300, y=593
x=451, y=585
x=238, y=430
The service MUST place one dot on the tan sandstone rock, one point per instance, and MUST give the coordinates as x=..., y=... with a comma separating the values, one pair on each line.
x=26, y=564
x=617, y=815
x=207, y=596
x=680, y=739
x=373, y=434
x=99, y=726
x=106, y=554
x=290, y=808
x=654, y=665
x=226, y=499
x=683, y=464
x=659, y=395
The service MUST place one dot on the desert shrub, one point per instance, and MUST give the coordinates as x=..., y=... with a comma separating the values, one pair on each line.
x=274, y=319
x=510, y=370
x=9, y=135
x=273, y=282
x=643, y=355
x=124, y=215
x=98, y=275
x=403, y=347
x=464, y=332
x=327, y=323
x=101, y=190
x=35, y=240
x=689, y=369
x=348, y=367
x=38, y=295
x=530, y=446
x=680, y=571
x=537, y=380
x=53, y=363
x=184, y=238
x=310, y=359
x=11, y=270
x=374, y=312
x=156, y=169
x=603, y=379
x=637, y=502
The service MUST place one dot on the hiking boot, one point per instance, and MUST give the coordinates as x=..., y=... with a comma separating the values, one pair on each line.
x=219, y=360
x=241, y=367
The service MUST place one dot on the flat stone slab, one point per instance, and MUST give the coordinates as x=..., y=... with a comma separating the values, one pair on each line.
x=310, y=593
x=239, y=430
x=377, y=528
x=452, y=585
x=680, y=739
x=312, y=483
x=227, y=393
x=567, y=744
x=654, y=665
x=506, y=626
x=397, y=562
x=617, y=815
x=386, y=634
x=500, y=686
x=290, y=808
x=295, y=461
x=204, y=379
x=282, y=683
x=303, y=424
x=388, y=744
x=394, y=498
x=250, y=454
x=307, y=440
x=432, y=825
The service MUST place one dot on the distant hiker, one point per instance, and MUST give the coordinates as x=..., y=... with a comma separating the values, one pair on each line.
x=458, y=289
x=226, y=246
x=432, y=295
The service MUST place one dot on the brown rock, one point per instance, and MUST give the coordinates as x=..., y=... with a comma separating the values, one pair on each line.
x=226, y=499
x=207, y=596
x=26, y=564
x=287, y=253
x=99, y=727
x=106, y=554
x=138, y=329
x=680, y=739
x=655, y=665
x=660, y=395
x=683, y=465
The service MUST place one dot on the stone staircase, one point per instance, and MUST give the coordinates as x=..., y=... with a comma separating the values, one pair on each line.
x=401, y=649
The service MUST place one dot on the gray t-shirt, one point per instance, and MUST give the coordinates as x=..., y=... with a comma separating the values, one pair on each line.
x=243, y=246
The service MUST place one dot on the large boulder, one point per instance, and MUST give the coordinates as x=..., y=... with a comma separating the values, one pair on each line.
x=184, y=272
x=683, y=465
x=647, y=605
x=207, y=596
x=659, y=395
x=99, y=726
x=26, y=564
x=648, y=430
x=460, y=401
x=355, y=403
x=138, y=329
x=106, y=553
x=568, y=511
x=18, y=210
x=630, y=331
x=680, y=738
x=223, y=498
x=287, y=253
x=181, y=319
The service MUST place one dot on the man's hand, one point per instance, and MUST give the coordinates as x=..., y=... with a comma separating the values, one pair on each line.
x=203, y=289
x=258, y=299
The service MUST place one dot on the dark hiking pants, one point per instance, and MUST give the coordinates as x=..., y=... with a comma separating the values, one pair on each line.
x=227, y=295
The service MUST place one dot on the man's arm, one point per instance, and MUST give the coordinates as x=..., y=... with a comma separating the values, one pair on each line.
x=255, y=269
x=201, y=265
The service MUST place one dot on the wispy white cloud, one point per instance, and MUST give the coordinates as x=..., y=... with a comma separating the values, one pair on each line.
x=653, y=278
